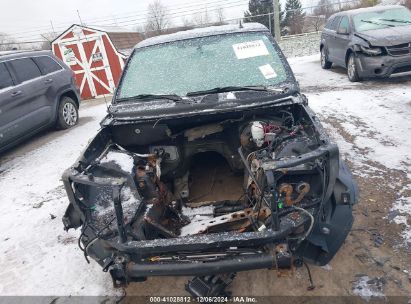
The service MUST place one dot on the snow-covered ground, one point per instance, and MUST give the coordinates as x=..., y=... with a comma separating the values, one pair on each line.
x=39, y=258
x=374, y=115
x=304, y=45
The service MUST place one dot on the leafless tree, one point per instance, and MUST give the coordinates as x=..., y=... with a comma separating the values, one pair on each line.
x=220, y=15
x=7, y=43
x=324, y=8
x=314, y=23
x=407, y=3
x=48, y=38
x=198, y=19
x=157, y=19
x=186, y=22
x=139, y=28
x=202, y=18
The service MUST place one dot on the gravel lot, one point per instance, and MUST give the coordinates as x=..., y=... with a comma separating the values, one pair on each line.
x=369, y=120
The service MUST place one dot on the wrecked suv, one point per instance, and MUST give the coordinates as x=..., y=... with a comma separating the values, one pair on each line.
x=209, y=161
x=369, y=42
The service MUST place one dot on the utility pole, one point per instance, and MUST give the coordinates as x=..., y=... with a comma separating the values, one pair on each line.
x=52, y=27
x=78, y=14
x=276, y=10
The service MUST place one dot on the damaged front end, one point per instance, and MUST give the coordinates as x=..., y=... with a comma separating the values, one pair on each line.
x=237, y=190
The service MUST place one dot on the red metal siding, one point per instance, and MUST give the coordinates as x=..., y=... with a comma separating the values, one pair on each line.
x=57, y=52
x=114, y=60
x=68, y=36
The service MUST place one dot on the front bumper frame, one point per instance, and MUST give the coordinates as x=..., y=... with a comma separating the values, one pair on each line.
x=382, y=66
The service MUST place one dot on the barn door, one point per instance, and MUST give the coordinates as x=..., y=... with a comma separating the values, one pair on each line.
x=88, y=59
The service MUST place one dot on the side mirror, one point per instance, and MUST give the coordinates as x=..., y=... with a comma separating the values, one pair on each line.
x=342, y=31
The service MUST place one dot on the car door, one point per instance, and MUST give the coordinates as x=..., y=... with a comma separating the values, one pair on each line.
x=326, y=34
x=342, y=40
x=54, y=78
x=8, y=97
x=30, y=104
x=331, y=40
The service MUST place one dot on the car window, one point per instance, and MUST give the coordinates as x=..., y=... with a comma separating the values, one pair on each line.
x=47, y=65
x=25, y=69
x=344, y=25
x=329, y=23
x=5, y=77
x=241, y=59
x=335, y=23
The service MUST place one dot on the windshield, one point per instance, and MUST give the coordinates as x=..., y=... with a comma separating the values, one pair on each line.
x=241, y=59
x=382, y=19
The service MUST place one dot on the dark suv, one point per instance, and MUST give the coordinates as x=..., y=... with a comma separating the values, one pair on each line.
x=210, y=161
x=369, y=42
x=37, y=91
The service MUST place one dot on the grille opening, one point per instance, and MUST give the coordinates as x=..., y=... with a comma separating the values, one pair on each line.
x=400, y=49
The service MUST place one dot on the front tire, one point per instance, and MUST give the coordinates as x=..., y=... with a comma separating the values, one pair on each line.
x=325, y=64
x=352, y=69
x=67, y=113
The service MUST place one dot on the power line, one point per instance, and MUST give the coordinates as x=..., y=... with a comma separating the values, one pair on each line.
x=142, y=20
x=193, y=12
x=110, y=18
x=173, y=9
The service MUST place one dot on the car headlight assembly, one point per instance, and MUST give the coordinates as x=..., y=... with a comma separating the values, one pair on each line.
x=373, y=51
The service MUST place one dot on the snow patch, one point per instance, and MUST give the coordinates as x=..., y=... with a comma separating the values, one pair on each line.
x=196, y=216
x=403, y=207
x=368, y=288
x=123, y=160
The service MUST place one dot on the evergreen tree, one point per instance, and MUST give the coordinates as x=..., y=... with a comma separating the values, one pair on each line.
x=261, y=7
x=294, y=16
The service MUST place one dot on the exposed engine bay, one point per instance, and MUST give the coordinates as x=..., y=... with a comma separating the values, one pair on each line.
x=249, y=186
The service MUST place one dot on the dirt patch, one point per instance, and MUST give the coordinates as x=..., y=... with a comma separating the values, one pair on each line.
x=211, y=179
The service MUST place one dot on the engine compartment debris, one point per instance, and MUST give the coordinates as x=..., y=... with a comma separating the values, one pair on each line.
x=209, y=196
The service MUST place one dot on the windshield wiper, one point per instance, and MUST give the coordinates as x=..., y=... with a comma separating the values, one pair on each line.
x=237, y=88
x=377, y=23
x=173, y=97
x=395, y=20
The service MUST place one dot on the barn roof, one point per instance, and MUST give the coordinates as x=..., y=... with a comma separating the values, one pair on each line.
x=123, y=39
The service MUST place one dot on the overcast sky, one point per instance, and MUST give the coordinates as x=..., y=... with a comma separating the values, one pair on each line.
x=22, y=18
x=26, y=19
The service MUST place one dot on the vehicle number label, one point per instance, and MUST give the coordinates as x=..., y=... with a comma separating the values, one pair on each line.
x=250, y=49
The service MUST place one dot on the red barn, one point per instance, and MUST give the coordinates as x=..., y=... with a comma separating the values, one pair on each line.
x=96, y=55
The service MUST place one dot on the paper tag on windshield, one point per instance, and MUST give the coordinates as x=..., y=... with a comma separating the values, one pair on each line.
x=267, y=71
x=250, y=49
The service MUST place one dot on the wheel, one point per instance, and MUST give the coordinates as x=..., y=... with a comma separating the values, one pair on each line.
x=352, y=71
x=325, y=64
x=67, y=113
